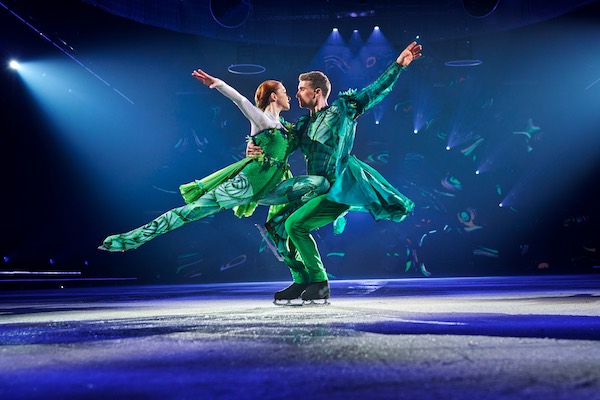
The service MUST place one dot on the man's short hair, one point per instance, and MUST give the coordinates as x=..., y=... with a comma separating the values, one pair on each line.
x=317, y=79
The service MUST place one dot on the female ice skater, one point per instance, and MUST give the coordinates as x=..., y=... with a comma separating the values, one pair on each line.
x=245, y=184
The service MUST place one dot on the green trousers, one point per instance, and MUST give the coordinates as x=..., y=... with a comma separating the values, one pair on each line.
x=303, y=257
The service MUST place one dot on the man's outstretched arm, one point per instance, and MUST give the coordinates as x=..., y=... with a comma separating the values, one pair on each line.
x=372, y=95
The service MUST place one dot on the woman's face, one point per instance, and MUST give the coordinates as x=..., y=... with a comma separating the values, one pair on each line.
x=283, y=100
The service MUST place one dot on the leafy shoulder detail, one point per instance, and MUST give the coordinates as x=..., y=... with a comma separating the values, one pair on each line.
x=287, y=125
x=348, y=93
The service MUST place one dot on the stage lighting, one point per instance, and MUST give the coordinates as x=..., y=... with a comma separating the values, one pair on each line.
x=463, y=63
x=229, y=14
x=448, y=148
x=479, y=8
x=335, y=29
x=415, y=131
x=477, y=172
x=246, y=69
x=376, y=28
x=14, y=64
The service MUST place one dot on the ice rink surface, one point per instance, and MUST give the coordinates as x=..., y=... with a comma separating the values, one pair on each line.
x=444, y=338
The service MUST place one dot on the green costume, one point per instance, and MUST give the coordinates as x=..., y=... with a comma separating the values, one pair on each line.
x=326, y=140
x=240, y=186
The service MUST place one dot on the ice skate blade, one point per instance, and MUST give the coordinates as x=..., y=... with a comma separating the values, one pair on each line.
x=269, y=242
x=316, y=302
x=288, y=303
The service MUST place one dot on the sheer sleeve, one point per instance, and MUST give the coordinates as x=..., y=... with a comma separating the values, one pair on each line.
x=257, y=118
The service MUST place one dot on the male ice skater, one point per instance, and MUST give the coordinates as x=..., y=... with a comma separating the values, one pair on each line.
x=327, y=137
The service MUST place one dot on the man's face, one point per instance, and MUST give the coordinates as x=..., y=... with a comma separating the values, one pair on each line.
x=306, y=95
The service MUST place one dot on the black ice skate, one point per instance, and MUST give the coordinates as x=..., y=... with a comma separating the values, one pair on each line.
x=315, y=292
x=285, y=296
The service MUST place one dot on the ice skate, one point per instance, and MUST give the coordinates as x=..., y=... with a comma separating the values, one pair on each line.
x=269, y=242
x=114, y=249
x=285, y=296
x=316, y=294
x=111, y=250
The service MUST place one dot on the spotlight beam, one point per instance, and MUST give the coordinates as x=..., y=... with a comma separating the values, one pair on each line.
x=593, y=83
x=72, y=57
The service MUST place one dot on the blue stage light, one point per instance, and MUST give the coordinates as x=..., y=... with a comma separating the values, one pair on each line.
x=246, y=69
x=14, y=64
x=463, y=63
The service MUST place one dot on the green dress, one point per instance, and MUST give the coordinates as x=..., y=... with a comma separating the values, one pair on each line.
x=263, y=172
x=240, y=186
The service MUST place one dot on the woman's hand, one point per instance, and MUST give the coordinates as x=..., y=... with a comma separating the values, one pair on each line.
x=205, y=78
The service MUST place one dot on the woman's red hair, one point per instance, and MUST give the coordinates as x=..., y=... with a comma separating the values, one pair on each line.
x=264, y=90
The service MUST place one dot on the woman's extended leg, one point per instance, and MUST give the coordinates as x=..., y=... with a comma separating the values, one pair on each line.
x=234, y=192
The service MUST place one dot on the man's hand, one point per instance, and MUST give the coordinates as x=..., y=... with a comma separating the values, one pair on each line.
x=205, y=78
x=412, y=52
x=253, y=150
